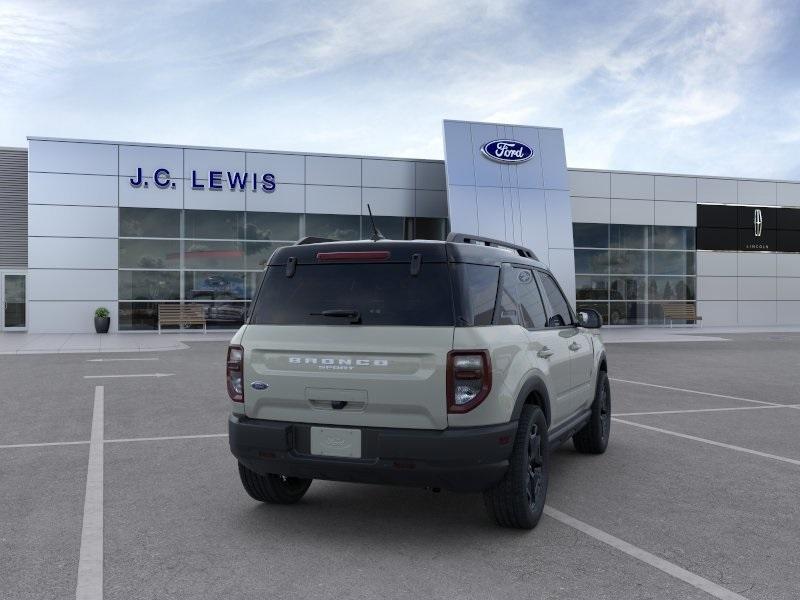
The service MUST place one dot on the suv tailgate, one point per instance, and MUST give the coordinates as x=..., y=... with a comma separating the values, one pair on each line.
x=337, y=375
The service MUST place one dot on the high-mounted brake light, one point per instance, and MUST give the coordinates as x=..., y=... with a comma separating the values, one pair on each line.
x=368, y=255
x=234, y=373
x=469, y=379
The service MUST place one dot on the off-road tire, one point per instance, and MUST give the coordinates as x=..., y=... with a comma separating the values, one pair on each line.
x=518, y=500
x=273, y=489
x=593, y=438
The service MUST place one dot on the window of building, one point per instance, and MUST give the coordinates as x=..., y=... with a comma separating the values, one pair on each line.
x=393, y=228
x=149, y=222
x=272, y=226
x=216, y=258
x=589, y=287
x=149, y=254
x=629, y=236
x=214, y=224
x=203, y=254
x=591, y=261
x=429, y=228
x=590, y=235
x=214, y=285
x=149, y=285
x=642, y=268
x=334, y=227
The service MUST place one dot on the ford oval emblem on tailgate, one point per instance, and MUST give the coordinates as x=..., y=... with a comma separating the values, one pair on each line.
x=259, y=385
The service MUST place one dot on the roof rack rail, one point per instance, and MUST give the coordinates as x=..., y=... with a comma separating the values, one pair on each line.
x=313, y=240
x=466, y=238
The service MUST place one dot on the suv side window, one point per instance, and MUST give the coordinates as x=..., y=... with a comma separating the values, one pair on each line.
x=507, y=309
x=477, y=291
x=518, y=299
x=561, y=315
x=530, y=300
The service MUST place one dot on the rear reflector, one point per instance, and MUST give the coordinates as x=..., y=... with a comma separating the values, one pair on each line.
x=369, y=255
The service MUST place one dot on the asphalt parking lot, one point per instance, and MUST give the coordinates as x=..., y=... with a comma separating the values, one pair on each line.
x=697, y=496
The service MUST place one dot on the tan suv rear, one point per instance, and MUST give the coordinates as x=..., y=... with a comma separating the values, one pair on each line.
x=451, y=365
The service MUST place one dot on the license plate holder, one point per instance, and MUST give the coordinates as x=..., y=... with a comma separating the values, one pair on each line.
x=336, y=441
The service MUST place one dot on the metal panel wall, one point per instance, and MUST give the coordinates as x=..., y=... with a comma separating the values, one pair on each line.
x=734, y=287
x=525, y=202
x=77, y=187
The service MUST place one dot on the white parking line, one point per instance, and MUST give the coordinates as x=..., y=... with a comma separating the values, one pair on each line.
x=704, y=410
x=90, y=564
x=169, y=437
x=791, y=461
x=709, y=587
x=39, y=444
x=676, y=389
x=118, y=359
x=118, y=440
x=128, y=375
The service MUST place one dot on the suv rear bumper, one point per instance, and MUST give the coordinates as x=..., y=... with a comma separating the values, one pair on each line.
x=465, y=459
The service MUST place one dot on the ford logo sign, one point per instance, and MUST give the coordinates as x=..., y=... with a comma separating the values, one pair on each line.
x=507, y=151
x=259, y=385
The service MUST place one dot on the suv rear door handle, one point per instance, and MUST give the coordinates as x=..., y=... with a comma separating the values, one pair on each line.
x=545, y=352
x=574, y=346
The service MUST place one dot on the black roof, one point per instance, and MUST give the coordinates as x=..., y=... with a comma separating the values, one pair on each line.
x=474, y=251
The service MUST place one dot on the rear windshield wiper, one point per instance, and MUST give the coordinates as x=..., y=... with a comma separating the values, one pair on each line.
x=353, y=315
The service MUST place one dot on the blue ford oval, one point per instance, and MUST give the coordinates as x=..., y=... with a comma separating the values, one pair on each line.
x=259, y=385
x=507, y=151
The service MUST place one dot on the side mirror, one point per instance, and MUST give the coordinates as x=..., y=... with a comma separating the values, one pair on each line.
x=590, y=319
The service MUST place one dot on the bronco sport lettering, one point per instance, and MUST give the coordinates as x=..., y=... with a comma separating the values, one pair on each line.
x=339, y=362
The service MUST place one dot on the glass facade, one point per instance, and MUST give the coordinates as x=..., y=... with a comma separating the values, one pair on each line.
x=215, y=258
x=629, y=272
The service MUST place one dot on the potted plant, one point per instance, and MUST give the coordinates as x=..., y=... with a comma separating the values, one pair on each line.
x=101, y=320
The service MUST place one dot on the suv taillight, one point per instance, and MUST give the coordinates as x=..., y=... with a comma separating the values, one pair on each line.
x=469, y=379
x=235, y=373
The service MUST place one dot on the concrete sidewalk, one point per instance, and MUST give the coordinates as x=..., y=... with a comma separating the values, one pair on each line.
x=58, y=343
x=682, y=333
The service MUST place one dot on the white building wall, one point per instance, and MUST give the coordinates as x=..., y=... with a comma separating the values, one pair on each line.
x=733, y=288
x=77, y=187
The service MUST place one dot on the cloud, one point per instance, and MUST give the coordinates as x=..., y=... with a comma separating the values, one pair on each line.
x=676, y=85
x=37, y=40
x=314, y=41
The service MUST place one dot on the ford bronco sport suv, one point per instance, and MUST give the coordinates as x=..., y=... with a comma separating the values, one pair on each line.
x=454, y=365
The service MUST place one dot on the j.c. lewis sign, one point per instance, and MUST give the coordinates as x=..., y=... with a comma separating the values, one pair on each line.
x=212, y=180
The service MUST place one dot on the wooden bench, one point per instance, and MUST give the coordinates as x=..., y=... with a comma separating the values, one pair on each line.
x=681, y=312
x=181, y=314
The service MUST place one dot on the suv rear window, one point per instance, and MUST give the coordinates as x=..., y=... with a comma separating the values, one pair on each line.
x=381, y=294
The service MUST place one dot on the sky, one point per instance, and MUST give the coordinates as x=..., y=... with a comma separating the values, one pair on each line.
x=697, y=87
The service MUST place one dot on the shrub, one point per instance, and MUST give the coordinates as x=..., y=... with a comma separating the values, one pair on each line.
x=101, y=313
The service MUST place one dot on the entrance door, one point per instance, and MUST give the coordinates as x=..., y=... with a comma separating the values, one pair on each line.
x=12, y=291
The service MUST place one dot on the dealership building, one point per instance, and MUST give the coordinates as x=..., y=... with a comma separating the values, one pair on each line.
x=132, y=227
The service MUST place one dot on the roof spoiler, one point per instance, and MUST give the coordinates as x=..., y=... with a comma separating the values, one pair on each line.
x=465, y=238
x=313, y=240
